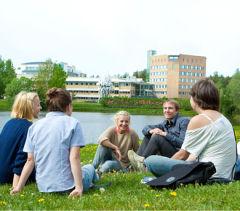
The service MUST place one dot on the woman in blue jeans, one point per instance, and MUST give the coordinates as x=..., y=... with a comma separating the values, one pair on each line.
x=209, y=137
x=53, y=146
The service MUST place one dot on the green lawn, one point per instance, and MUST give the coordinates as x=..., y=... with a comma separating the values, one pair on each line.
x=126, y=193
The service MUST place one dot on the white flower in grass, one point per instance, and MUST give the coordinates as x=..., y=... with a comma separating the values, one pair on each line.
x=102, y=190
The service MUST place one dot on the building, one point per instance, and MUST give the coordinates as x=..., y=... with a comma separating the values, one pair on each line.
x=174, y=75
x=30, y=69
x=89, y=88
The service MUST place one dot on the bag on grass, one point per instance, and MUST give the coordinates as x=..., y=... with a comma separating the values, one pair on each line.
x=182, y=174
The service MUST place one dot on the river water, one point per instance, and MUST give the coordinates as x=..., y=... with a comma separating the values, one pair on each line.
x=93, y=124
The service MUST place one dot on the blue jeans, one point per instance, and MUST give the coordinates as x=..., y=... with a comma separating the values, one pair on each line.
x=89, y=176
x=160, y=165
x=106, y=159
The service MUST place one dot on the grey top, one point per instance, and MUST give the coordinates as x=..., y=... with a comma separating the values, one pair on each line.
x=176, y=129
x=50, y=140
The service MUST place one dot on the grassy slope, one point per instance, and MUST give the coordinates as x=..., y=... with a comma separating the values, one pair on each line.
x=126, y=193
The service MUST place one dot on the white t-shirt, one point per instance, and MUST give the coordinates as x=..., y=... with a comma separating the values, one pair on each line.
x=216, y=143
x=50, y=140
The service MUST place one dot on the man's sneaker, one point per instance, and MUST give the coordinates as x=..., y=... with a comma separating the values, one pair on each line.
x=147, y=179
x=136, y=161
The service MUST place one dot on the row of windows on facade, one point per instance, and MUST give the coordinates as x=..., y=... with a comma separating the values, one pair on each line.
x=161, y=86
x=95, y=83
x=175, y=58
x=165, y=93
x=158, y=80
x=191, y=74
x=180, y=73
x=185, y=86
x=31, y=68
x=158, y=73
x=187, y=67
x=96, y=92
x=188, y=80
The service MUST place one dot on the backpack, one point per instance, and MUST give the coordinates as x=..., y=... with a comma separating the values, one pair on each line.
x=183, y=174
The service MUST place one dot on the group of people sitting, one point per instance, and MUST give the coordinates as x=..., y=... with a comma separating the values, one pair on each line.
x=49, y=149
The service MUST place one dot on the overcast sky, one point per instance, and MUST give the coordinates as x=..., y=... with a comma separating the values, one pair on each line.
x=113, y=36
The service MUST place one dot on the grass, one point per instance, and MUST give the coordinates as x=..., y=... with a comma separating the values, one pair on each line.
x=126, y=193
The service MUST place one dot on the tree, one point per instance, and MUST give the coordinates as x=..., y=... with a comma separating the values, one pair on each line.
x=233, y=92
x=7, y=74
x=17, y=85
x=141, y=74
x=49, y=75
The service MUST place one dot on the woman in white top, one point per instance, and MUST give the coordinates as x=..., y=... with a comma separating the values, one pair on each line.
x=209, y=136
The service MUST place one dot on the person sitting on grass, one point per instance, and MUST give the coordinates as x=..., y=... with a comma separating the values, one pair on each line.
x=209, y=137
x=114, y=144
x=13, y=136
x=53, y=146
x=167, y=137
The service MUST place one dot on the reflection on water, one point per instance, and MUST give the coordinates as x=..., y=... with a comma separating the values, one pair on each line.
x=93, y=124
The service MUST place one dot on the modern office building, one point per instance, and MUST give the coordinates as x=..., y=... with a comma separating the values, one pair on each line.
x=89, y=88
x=30, y=69
x=174, y=75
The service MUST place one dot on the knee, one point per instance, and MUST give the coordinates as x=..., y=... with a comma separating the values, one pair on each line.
x=150, y=161
x=157, y=139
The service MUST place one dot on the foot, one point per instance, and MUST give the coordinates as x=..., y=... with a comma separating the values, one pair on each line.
x=136, y=161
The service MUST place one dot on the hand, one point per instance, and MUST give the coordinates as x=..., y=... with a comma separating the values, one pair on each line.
x=156, y=131
x=118, y=154
x=15, y=190
x=77, y=192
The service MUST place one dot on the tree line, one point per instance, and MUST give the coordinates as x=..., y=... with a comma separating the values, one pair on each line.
x=52, y=74
x=49, y=75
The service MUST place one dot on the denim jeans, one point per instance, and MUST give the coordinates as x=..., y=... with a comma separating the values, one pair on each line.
x=160, y=165
x=89, y=176
x=106, y=159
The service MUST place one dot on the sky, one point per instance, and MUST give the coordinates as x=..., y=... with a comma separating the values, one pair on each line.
x=107, y=37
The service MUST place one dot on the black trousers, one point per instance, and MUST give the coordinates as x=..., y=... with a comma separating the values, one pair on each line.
x=156, y=144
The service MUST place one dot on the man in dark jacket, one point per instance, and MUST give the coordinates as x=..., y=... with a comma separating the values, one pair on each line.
x=167, y=137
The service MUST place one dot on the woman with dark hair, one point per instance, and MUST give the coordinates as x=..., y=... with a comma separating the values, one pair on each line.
x=209, y=136
x=53, y=146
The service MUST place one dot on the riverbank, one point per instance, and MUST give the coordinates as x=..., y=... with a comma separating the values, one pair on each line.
x=97, y=107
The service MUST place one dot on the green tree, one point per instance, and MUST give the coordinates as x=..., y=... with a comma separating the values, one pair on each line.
x=141, y=74
x=7, y=74
x=49, y=75
x=234, y=94
x=17, y=85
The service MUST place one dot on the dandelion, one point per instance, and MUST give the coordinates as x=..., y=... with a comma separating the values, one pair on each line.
x=173, y=193
x=102, y=190
x=41, y=200
x=146, y=205
x=3, y=203
x=158, y=195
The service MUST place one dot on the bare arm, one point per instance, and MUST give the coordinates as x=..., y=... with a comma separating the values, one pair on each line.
x=15, y=180
x=181, y=155
x=27, y=170
x=76, y=171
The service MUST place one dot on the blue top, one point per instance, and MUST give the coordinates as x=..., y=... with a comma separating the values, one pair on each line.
x=12, y=157
x=176, y=129
x=50, y=140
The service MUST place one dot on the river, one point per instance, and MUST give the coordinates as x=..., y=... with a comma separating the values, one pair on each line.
x=93, y=124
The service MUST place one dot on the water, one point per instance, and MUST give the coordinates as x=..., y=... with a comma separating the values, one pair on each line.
x=93, y=124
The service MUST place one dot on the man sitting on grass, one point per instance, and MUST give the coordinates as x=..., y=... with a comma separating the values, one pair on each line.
x=165, y=138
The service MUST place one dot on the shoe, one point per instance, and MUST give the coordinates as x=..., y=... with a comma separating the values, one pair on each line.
x=136, y=161
x=147, y=179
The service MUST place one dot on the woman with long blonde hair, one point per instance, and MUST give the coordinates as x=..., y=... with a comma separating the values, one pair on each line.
x=25, y=108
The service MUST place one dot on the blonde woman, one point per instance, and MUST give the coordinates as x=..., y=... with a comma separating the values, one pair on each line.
x=13, y=136
x=114, y=144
